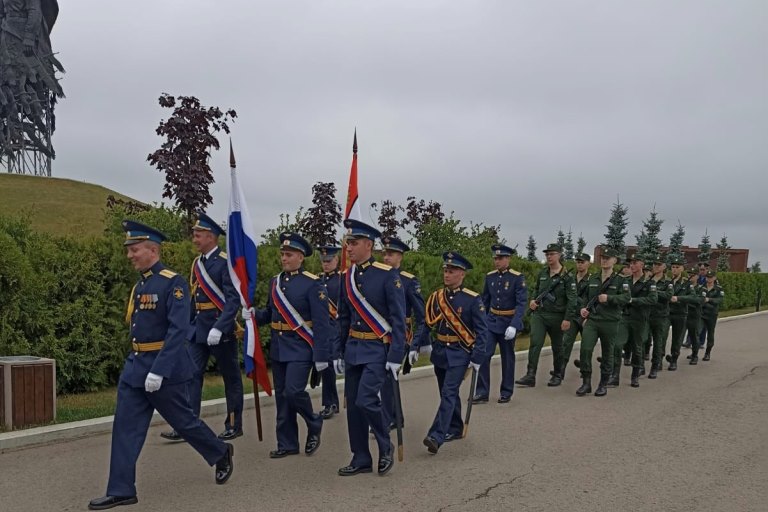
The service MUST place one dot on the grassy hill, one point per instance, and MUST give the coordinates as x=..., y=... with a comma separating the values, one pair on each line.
x=58, y=206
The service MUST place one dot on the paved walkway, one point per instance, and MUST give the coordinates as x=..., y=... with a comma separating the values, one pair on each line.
x=695, y=439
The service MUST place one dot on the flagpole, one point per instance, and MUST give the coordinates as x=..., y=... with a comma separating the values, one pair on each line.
x=253, y=331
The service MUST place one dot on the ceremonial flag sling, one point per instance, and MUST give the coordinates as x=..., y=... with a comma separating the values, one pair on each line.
x=242, y=261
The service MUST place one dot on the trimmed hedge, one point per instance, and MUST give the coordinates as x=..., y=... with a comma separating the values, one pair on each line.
x=65, y=298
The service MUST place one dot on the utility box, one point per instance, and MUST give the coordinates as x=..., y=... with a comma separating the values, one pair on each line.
x=28, y=386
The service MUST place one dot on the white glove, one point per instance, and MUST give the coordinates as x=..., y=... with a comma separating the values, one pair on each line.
x=426, y=349
x=320, y=366
x=474, y=366
x=510, y=333
x=393, y=367
x=153, y=382
x=338, y=366
x=214, y=336
x=248, y=313
x=413, y=356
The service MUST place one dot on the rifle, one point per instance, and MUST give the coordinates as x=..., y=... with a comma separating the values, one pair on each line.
x=548, y=294
x=593, y=303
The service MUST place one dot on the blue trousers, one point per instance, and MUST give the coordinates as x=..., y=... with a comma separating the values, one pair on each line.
x=448, y=417
x=362, y=385
x=330, y=393
x=507, y=366
x=132, y=417
x=291, y=398
x=225, y=354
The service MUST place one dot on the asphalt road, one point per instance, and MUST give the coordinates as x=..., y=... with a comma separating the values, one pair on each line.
x=695, y=439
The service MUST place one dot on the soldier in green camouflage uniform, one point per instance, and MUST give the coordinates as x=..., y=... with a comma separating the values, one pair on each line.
x=678, y=310
x=606, y=295
x=553, y=306
x=569, y=337
x=693, y=322
x=713, y=298
x=634, y=328
x=659, y=320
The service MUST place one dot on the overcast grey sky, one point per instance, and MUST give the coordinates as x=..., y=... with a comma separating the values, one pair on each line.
x=533, y=115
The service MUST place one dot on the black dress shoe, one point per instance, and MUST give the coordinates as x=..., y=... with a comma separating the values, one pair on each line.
x=353, y=470
x=706, y=357
x=312, y=444
x=171, y=435
x=453, y=437
x=328, y=411
x=477, y=399
x=106, y=502
x=431, y=444
x=529, y=380
x=504, y=399
x=226, y=465
x=386, y=461
x=231, y=433
x=555, y=380
x=279, y=454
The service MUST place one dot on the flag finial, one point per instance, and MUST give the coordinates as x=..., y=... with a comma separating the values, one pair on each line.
x=231, y=154
x=354, y=143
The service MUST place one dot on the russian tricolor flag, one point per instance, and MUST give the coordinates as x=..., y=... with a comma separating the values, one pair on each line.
x=242, y=260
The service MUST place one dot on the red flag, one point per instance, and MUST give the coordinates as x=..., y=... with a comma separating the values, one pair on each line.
x=352, y=209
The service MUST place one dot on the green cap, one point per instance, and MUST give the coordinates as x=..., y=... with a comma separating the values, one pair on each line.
x=676, y=260
x=636, y=257
x=582, y=256
x=711, y=273
x=553, y=248
x=610, y=252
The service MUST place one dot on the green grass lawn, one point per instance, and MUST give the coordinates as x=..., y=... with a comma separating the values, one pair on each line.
x=57, y=206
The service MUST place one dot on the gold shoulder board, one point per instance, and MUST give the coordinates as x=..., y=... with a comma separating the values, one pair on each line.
x=470, y=292
x=310, y=275
x=382, y=266
x=167, y=273
x=407, y=274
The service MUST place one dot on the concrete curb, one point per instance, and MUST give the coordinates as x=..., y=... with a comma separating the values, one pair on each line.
x=77, y=429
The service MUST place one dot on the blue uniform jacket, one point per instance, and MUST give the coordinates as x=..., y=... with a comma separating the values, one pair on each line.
x=470, y=308
x=382, y=287
x=161, y=306
x=309, y=297
x=503, y=292
x=204, y=320
x=414, y=310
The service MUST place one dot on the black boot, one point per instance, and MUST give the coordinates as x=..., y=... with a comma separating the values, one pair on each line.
x=529, y=379
x=602, y=390
x=642, y=371
x=586, y=386
x=634, y=382
x=556, y=379
x=613, y=382
x=672, y=360
x=627, y=360
x=694, y=359
x=706, y=356
x=654, y=371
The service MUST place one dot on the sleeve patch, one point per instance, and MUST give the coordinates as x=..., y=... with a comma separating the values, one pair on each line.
x=178, y=293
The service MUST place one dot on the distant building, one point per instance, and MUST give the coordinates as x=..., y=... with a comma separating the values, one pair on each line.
x=737, y=258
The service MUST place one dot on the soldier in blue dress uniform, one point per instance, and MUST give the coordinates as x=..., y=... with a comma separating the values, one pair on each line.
x=297, y=311
x=414, y=319
x=331, y=278
x=371, y=343
x=457, y=315
x=215, y=302
x=157, y=372
x=505, y=298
